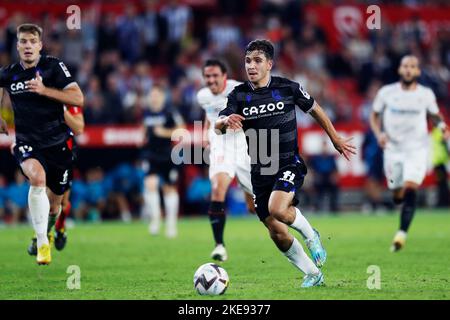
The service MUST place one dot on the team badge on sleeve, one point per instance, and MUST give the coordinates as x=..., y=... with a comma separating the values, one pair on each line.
x=65, y=70
x=305, y=94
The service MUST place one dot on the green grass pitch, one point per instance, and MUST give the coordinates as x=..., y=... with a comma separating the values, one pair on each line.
x=122, y=261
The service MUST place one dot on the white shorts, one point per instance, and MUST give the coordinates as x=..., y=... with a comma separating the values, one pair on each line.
x=228, y=154
x=401, y=166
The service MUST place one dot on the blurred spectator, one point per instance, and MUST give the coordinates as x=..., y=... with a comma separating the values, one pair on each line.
x=128, y=32
x=325, y=179
x=311, y=32
x=379, y=67
x=178, y=17
x=154, y=31
x=89, y=26
x=113, y=101
x=372, y=156
x=121, y=54
x=126, y=183
x=93, y=201
x=340, y=63
x=107, y=33
x=17, y=193
x=199, y=190
x=72, y=52
x=436, y=75
x=223, y=33
x=77, y=196
x=95, y=111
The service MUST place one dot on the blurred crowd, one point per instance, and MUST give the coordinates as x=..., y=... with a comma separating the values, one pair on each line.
x=118, y=58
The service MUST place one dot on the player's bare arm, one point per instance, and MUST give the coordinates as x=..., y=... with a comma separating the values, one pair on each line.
x=166, y=132
x=74, y=121
x=3, y=124
x=342, y=145
x=439, y=122
x=206, y=127
x=375, y=125
x=71, y=95
x=233, y=121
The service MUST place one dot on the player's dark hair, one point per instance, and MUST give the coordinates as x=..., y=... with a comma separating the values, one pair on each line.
x=29, y=28
x=215, y=63
x=261, y=45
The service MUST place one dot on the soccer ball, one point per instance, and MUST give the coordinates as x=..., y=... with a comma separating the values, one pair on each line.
x=210, y=279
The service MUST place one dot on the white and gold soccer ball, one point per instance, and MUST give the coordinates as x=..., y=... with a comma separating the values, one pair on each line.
x=211, y=279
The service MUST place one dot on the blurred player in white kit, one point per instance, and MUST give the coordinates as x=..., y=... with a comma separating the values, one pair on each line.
x=228, y=153
x=399, y=121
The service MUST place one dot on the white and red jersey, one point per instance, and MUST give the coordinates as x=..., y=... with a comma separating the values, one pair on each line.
x=404, y=115
x=228, y=152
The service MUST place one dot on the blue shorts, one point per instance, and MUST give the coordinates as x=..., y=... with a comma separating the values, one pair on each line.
x=289, y=178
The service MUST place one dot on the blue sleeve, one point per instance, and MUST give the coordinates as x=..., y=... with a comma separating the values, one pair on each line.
x=302, y=98
x=61, y=75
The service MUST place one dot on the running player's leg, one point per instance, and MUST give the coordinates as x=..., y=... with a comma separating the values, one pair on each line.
x=55, y=211
x=65, y=212
x=39, y=205
x=59, y=160
x=285, y=242
x=409, y=204
x=290, y=246
x=171, y=203
x=152, y=202
x=250, y=202
x=60, y=227
x=220, y=183
x=407, y=197
x=55, y=208
x=281, y=208
x=413, y=172
x=393, y=170
x=169, y=176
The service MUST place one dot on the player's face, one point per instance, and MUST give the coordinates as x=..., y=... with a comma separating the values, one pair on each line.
x=28, y=46
x=156, y=99
x=409, y=70
x=257, y=66
x=214, y=78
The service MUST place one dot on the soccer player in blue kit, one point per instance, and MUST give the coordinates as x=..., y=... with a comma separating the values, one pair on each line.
x=266, y=105
x=39, y=86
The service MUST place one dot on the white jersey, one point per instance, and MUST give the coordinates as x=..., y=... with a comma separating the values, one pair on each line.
x=214, y=103
x=404, y=115
x=228, y=152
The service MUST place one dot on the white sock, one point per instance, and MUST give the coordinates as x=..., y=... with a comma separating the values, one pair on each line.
x=302, y=225
x=39, y=209
x=153, y=207
x=171, y=201
x=297, y=256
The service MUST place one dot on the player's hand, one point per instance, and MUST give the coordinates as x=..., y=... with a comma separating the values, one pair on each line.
x=36, y=85
x=382, y=140
x=3, y=127
x=234, y=121
x=344, y=147
x=447, y=133
x=159, y=131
